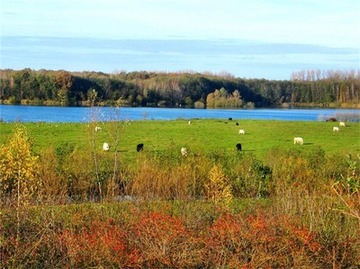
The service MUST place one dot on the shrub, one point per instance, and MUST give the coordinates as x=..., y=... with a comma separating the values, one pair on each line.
x=218, y=188
x=157, y=179
x=147, y=235
x=18, y=168
x=259, y=241
x=163, y=241
x=54, y=187
x=249, y=177
x=102, y=244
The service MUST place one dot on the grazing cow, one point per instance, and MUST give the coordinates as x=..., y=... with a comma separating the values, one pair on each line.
x=237, y=124
x=241, y=131
x=230, y=118
x=335, y=129
x=342, y=124
x=183, y=151
x=139, y=147
x=331, y=119
x=97, y=128
x=189, y=122
x=106, y=147
x=238, y=147
x=298, y=140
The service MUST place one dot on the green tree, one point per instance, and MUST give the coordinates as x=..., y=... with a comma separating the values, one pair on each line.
x=92, y=97
x=188, y=101
x=22, y=82
x=64, y=82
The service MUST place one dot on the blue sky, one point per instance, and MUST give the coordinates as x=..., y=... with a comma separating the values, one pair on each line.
x=324, y=23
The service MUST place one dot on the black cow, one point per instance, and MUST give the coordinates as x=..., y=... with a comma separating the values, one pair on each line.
x=237, y=124
x=139, y=147
x=238, y=146
x=230, y=118
x=331, y=120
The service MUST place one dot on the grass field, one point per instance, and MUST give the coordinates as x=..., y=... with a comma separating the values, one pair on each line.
x=201, y=136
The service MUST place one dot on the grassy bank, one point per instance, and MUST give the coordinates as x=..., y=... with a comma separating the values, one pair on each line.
x=201, y=136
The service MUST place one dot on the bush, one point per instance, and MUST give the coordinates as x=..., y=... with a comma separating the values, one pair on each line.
x=259, y=241
x=129, y=236
x=249, y=177
x=18, y=168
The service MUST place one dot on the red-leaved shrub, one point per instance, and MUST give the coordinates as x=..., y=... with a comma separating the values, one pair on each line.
x=259, y=241
x=103, y=244
x=162, y=241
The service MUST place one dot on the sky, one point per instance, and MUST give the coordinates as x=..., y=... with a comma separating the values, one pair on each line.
x=327, y=24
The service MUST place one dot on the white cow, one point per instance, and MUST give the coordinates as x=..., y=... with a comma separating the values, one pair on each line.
x=335, y=129
x=342, y=124
x=106, y=147
x=298, y=140
x=183, y=151
x=189, y=122
x=97, y=128
x=241, y=131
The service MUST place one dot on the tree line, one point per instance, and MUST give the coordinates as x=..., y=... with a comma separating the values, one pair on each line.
x=179, y=89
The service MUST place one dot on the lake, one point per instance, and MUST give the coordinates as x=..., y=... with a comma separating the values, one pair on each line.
x=10, y=113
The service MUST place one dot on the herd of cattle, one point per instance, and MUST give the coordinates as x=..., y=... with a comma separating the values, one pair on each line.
x=183, y=150
x=300, y=140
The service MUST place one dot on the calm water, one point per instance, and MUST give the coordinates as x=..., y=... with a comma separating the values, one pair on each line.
x=11, y=113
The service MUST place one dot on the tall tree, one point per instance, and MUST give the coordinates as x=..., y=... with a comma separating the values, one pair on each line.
x=64, y=81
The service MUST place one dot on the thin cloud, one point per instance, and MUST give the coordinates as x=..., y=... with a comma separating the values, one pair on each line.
x=246, y=38
x=321, y=22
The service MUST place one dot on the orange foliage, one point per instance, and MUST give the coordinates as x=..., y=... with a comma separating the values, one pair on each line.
x=155, y=239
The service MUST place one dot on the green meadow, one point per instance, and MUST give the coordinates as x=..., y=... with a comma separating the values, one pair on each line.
x=201, y=136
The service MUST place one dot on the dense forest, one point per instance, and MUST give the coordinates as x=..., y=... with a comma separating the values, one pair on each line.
x=313, y=88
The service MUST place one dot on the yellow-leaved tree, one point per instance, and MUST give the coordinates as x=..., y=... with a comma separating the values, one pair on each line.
x=218, y=188
x=18, y=168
